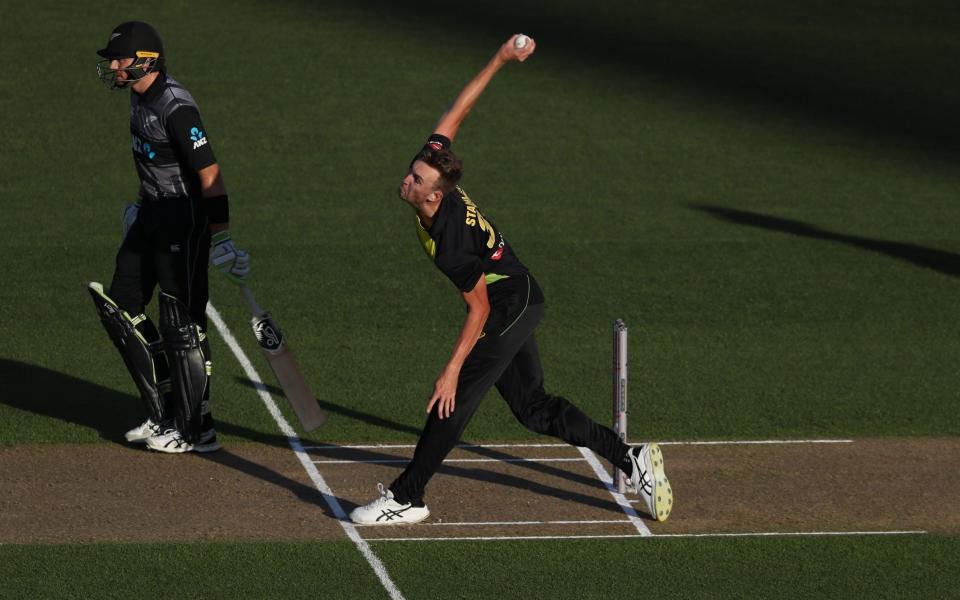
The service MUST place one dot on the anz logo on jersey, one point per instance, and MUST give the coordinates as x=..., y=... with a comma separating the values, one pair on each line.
x=143, y=148
x=198, y=137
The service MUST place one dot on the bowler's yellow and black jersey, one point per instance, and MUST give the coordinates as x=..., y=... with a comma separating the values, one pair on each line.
x=464, y=244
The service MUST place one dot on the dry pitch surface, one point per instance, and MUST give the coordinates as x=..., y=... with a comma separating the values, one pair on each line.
x=249, y=491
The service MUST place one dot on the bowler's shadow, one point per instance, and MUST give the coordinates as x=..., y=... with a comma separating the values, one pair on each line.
x=941, y=261
x=378, y=421
x=332, y=451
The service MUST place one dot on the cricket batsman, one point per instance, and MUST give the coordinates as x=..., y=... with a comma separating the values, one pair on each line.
x=179, y=221
x=496, y=344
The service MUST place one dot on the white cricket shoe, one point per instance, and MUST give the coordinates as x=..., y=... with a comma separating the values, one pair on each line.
x=140, y=433
x=172, y=442
x=387, y=511
x=649, y=480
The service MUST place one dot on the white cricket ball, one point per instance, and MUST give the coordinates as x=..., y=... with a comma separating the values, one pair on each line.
x=521, y=41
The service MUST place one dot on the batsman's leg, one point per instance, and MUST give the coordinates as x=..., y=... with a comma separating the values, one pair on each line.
x=187, y=352
x=179, y=259
x=132, y=285
x=139, y=344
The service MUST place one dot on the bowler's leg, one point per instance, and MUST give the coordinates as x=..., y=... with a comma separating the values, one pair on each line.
x=521, y=385
x=480, y=371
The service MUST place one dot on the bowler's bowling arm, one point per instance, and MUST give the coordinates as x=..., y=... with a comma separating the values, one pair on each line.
x=450, y=121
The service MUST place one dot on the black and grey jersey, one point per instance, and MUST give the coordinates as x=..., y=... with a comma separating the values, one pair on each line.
x=169, y=140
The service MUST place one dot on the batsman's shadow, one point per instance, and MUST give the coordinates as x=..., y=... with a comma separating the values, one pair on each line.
x=48, y=393
x=55, y=395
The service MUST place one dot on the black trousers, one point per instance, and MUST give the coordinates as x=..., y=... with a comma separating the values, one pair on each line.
x=168, y=245
x=511, y=361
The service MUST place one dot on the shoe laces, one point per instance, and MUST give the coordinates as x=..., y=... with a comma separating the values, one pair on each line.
x=175, y=436
x=646, y=481
x=384, y=498
x=163, y=427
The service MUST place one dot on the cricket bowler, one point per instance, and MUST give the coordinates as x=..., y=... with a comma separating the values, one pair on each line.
x=496, y=345
x=179, y=221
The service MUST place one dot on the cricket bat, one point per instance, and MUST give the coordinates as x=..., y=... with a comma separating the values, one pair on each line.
x=284, y=365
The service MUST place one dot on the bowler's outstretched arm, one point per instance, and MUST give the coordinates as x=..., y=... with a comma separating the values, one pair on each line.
x=450, y=121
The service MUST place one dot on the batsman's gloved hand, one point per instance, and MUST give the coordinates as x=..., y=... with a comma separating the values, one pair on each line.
x=233, y=263
x=129, y=217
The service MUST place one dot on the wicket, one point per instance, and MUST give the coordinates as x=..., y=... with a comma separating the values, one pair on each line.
x=620, y=393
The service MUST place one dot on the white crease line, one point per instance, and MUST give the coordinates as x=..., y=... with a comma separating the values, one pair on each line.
x=378, y=568
x=749, y=442
x=617, y=496
x=522, y=445
x=634, y=535
x=511, y=523
x=506, y=538
x=398, y=446
x=382, y=461
x=790, y=533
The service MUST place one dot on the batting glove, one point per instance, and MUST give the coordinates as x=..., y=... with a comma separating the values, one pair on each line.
x=233, y=263
x=129, y=217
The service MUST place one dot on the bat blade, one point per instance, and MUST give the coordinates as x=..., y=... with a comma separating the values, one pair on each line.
x=287, y=371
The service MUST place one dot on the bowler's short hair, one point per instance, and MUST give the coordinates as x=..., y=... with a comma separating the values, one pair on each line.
x=447, y=163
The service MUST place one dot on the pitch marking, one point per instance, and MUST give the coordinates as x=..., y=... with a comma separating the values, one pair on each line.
x=635, y=535
x=749, y=442
x=512, y=523
x=382, y=461
x=378, y=568
x=523, y=445
x=399, y=446
x=300, y=451
x=620, y=499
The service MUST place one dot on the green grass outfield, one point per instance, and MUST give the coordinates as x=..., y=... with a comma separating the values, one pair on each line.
x=898, y=567
x=765, y=192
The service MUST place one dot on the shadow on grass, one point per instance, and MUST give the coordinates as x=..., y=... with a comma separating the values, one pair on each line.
x=941, y=261
x=377, y=421
x=110, y=413
x=55, y=395
x=338, y=409
x=886, y=73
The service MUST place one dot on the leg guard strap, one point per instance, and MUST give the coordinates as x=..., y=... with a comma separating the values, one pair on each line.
x=135, y=338
x=187, y=356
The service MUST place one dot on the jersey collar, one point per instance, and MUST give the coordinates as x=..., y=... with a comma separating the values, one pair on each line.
x=155, y=89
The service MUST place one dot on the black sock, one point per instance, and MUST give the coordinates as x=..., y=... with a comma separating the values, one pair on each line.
x=626, y=464
x=402, y=499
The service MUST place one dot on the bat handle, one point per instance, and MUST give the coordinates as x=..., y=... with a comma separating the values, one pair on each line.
x=251, y=301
